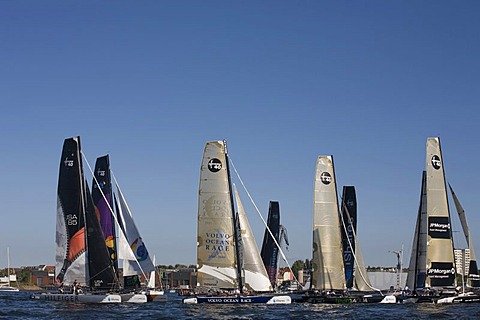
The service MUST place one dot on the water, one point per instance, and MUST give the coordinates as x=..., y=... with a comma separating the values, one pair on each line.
x=20, y=306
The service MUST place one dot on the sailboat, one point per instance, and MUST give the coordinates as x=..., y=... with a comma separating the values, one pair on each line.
x=7, y=286
x=329, y=281
x=81, y=253
x=227, y=257
x=432, y=274
x=103, y=195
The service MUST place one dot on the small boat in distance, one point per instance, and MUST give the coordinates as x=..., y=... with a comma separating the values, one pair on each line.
x=228, y=260
x=6, y=286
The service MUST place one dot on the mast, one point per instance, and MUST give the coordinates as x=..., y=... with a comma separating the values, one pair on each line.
x=235, y=229
x=8, y=265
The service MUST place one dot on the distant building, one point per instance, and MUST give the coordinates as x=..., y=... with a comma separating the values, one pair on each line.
x=386, y=279
x=462, y=258
x=185, y=278
x=42, y=276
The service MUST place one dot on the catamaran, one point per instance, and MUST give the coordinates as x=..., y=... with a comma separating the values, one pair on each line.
x=81, y=253
x=329, y=278
x=228, y=260
x=432, y=273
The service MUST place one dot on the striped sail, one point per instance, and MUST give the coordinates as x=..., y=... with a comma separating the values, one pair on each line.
x=440, y=257
x=215, y=226
x=328, y=267
x=256, y=277
x=70, y=235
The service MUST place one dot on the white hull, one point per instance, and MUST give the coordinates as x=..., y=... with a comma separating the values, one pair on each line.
x=79, y=298
x=9, y=289
x=133, y=298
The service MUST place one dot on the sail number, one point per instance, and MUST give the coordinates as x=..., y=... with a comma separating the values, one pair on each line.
x=72, y=219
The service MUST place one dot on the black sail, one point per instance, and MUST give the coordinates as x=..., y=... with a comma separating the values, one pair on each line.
x=349, y=214
x=102, y=274
x=70, y=238
x=269, y=251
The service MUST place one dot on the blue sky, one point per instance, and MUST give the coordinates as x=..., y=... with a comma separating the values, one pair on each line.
x=283, y=81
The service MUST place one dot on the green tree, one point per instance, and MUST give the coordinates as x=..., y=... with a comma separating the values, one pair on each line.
x=297, y=265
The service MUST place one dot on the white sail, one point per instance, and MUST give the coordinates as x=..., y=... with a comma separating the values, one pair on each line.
x=215, y=234
x=362, y=282
x=328, y=268
x=151, y=279
x=256, y=277
x=418, y=258
x=143, y=263
x=130, y=265
x=440, y=257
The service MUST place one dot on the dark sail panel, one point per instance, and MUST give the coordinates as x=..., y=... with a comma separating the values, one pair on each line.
x=269, y=251
x=71, y=210
x=102, y=183
x=102, y=275
x=473, y=274
x=349, y=214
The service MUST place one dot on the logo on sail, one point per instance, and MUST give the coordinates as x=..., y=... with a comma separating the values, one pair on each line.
x=68, y=162
x=139, y=249
x=436, y=163
x=326, y=178
x=214, y=165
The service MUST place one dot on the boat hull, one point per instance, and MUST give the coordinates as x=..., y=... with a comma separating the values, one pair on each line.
x=156, y=297
x=9, y=289
x=78, y=298
x=133, y=298
x=268, y=299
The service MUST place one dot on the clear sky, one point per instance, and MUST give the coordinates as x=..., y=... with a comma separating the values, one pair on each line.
x=149, y=82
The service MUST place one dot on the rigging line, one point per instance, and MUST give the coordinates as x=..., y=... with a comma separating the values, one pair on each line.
x=263, y=220
x=111, y=210
x=350, y=244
